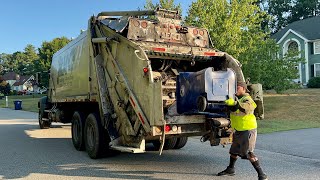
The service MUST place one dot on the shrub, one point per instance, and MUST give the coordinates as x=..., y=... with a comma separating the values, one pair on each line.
x=314, y=82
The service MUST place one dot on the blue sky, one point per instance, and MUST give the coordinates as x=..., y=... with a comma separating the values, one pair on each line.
x=25, y=22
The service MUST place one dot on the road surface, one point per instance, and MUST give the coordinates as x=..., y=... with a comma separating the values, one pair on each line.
x=27, y=152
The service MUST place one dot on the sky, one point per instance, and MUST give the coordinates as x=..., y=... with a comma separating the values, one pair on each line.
x=25, y=22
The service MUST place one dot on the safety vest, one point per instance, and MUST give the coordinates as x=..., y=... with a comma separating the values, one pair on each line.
x=243, y=121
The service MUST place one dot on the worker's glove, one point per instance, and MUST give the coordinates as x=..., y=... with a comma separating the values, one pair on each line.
x=230, y=102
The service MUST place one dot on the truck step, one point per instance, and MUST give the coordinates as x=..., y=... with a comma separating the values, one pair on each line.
x=127, y=149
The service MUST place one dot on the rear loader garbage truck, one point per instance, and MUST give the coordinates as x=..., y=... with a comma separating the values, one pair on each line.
x=138, y=77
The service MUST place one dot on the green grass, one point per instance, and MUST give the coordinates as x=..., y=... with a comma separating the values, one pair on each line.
x=295, y=109
x=29, y=102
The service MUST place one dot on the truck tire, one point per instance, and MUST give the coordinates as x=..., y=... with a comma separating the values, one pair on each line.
x=168, y=144
x=43, y=124
x=181, y=142
x=96, y=141
x=42, y=103
x=77, y=126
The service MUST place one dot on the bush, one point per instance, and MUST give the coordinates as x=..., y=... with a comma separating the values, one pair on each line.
x=314, y=82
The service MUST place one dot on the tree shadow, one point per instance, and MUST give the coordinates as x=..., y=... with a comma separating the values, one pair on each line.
x=25, y=152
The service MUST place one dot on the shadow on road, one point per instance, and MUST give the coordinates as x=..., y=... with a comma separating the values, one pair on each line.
x=25, y=152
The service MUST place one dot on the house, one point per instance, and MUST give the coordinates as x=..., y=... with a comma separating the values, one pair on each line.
x=24, y=83
x=10, y=77
x=304, y=36
x=18, y=82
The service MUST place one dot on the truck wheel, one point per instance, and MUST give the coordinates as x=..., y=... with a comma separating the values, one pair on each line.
x=43, y=124
x=181, y=142
x=168, y=144
x=77, y=131
x=96, y=142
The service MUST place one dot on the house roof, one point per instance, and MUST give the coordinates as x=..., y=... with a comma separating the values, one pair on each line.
x=9, y=76
x=308, y=28
x=22, y=80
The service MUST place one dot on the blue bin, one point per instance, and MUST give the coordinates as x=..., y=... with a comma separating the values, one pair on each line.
x=17, y=105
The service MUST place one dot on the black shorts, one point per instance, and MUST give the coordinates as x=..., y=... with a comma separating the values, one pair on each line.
x=243, y=143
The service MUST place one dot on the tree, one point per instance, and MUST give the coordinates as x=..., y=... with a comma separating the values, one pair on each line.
x=235, y=27
x=284, y=12
x=4, y=87
x=304, y=9
x=46, y=52
x=30, y=57
x=273, y=71
x=164, y=4
x=280, y=11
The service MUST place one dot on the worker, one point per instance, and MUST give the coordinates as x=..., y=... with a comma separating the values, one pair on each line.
x=244, y=124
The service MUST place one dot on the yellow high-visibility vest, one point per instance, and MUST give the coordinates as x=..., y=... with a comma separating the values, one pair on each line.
x=243, y=121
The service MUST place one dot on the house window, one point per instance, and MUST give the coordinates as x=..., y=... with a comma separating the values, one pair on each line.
x=317, y=70
x=293, y=46
x=316, y=47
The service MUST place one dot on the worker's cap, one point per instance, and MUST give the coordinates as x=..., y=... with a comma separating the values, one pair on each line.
x=244, y=85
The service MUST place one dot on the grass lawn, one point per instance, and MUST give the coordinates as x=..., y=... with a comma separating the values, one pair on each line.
x=29, y=102
x=295, y=109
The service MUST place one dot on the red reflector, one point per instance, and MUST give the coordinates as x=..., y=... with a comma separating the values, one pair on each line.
x=145, y=70
x=159, y=49
x=209, y=53
x=167, y=128
x=141, y=118
x=134, y=104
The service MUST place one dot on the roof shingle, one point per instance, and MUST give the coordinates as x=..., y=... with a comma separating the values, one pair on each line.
x=308, y=28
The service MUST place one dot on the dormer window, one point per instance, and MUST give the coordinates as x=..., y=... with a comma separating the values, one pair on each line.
x=293, y=46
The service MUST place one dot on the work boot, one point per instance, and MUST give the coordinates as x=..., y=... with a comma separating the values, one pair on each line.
x=263, y=177
x=227, y=172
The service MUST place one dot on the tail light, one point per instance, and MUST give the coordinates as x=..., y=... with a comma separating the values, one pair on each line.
x=144, y=24
x=159, y=49
x=195, y=31
x=145, y=70
x=167, y=128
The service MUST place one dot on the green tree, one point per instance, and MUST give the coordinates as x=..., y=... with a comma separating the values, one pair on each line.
x=30, y=57
x=46, y=52
x=235, y=27
x=280, y=11
x=304, y=9
x=4, y=87
x=273, y=71
x=284, y=12
x=164, y=4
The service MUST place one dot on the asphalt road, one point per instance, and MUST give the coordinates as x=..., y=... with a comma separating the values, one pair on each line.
x=27, y=152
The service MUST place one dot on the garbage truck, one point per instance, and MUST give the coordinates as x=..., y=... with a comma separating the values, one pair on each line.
x=137, y=77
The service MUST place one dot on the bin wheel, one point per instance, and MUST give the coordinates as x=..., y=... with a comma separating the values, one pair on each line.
x=43, y=124
x=77, y=125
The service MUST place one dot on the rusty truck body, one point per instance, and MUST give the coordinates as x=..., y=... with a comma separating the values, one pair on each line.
x=140, y=76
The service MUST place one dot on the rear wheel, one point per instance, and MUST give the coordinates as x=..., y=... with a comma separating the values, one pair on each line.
x=181, y=142
x=43, y=124
x=77, y=131
x=96, y=138
x=168, y=144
